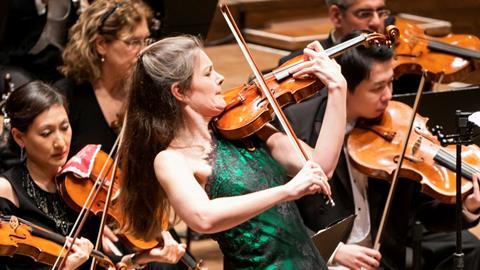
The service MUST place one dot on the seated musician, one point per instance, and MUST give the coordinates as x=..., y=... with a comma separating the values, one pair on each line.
x=349, y=15
x=40, y=127
x=369, y=75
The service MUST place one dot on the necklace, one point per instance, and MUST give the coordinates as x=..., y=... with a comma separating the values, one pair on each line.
x=50, y=204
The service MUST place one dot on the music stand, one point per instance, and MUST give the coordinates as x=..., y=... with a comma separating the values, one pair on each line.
x=440, y=107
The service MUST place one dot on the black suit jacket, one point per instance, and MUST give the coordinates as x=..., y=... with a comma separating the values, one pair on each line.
x=326, y=43
x=408, y=204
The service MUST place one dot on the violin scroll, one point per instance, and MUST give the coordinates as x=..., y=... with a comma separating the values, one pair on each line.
x=392, y=33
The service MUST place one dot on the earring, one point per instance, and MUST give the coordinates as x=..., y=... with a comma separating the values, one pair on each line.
x=22, y=154
x=102, y=59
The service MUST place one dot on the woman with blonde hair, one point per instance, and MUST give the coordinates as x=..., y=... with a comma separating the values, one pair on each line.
x=98, y=58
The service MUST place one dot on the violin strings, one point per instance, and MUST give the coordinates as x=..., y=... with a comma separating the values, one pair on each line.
x=451, y=160
x=331, y=52
x=83, y=212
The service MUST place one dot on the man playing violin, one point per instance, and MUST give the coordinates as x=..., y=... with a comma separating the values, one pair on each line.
x=369, y=75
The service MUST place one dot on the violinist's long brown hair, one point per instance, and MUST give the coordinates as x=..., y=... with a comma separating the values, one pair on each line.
x=153, y=117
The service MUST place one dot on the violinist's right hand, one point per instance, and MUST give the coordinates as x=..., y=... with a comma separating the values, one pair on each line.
x=309, y=180
x=317, y=63
x=357, y=257
x=80, y=253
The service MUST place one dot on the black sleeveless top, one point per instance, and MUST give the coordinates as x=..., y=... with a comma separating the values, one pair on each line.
x=37, y=206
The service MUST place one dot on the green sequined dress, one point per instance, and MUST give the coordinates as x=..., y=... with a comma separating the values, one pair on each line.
x=275, y=239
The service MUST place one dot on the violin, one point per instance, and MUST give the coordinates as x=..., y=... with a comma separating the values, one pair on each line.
x=445, y=59
x=248, y=109
x=21, y=237
x=374, y=149
x=75, y=192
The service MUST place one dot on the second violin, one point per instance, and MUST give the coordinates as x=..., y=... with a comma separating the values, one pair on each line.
x=21, y=237
x=374, y=149
x=75, y=190
x=445, y=59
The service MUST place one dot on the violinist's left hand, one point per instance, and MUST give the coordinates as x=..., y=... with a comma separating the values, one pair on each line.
x=317, y=63
x=108, y=242
x=472, y=201
x=171, y=252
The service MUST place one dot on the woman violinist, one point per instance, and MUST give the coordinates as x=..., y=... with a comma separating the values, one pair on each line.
x=98, y=58
x=243, y=197
x=40, y=127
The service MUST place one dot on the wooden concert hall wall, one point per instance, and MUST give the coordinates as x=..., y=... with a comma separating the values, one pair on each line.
x=462, y=14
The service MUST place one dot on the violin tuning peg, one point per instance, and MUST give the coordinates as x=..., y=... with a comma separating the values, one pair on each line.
x=444, y=142
x=437, y=129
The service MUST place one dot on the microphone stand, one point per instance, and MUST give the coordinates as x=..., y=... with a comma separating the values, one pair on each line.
x=463, y=137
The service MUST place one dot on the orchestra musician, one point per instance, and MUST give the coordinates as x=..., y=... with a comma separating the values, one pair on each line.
x=171, y=157
x=372, y=15
x=40, y=127
x=369, y=75
x=97, y=60
x=103, y=47
x=349, y=15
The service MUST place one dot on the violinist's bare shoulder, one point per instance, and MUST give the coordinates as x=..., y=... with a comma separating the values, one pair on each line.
x=6, y=191
x=168, y=164
x=177, y=178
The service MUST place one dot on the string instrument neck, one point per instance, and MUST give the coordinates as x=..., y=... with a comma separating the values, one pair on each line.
x=37, y=231
x=448, y=48
x=283, y=72
x=448, y=160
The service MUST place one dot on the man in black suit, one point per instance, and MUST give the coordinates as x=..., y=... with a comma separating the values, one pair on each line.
x=369, y=75
x=350, y=15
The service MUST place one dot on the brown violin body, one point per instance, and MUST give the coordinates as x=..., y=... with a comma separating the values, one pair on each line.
x=445, y=59
x=248, y=109
x=75, y=192
x=23, y=238
x=374, y=150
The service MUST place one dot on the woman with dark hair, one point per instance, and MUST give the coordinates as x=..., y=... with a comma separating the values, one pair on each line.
x=171, y=157
x=40, y=127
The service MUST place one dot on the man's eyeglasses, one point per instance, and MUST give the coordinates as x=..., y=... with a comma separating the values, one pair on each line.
x=364, y=14
x=368, y=13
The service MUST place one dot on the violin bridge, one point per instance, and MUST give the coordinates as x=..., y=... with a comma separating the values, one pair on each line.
x=416, y=145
